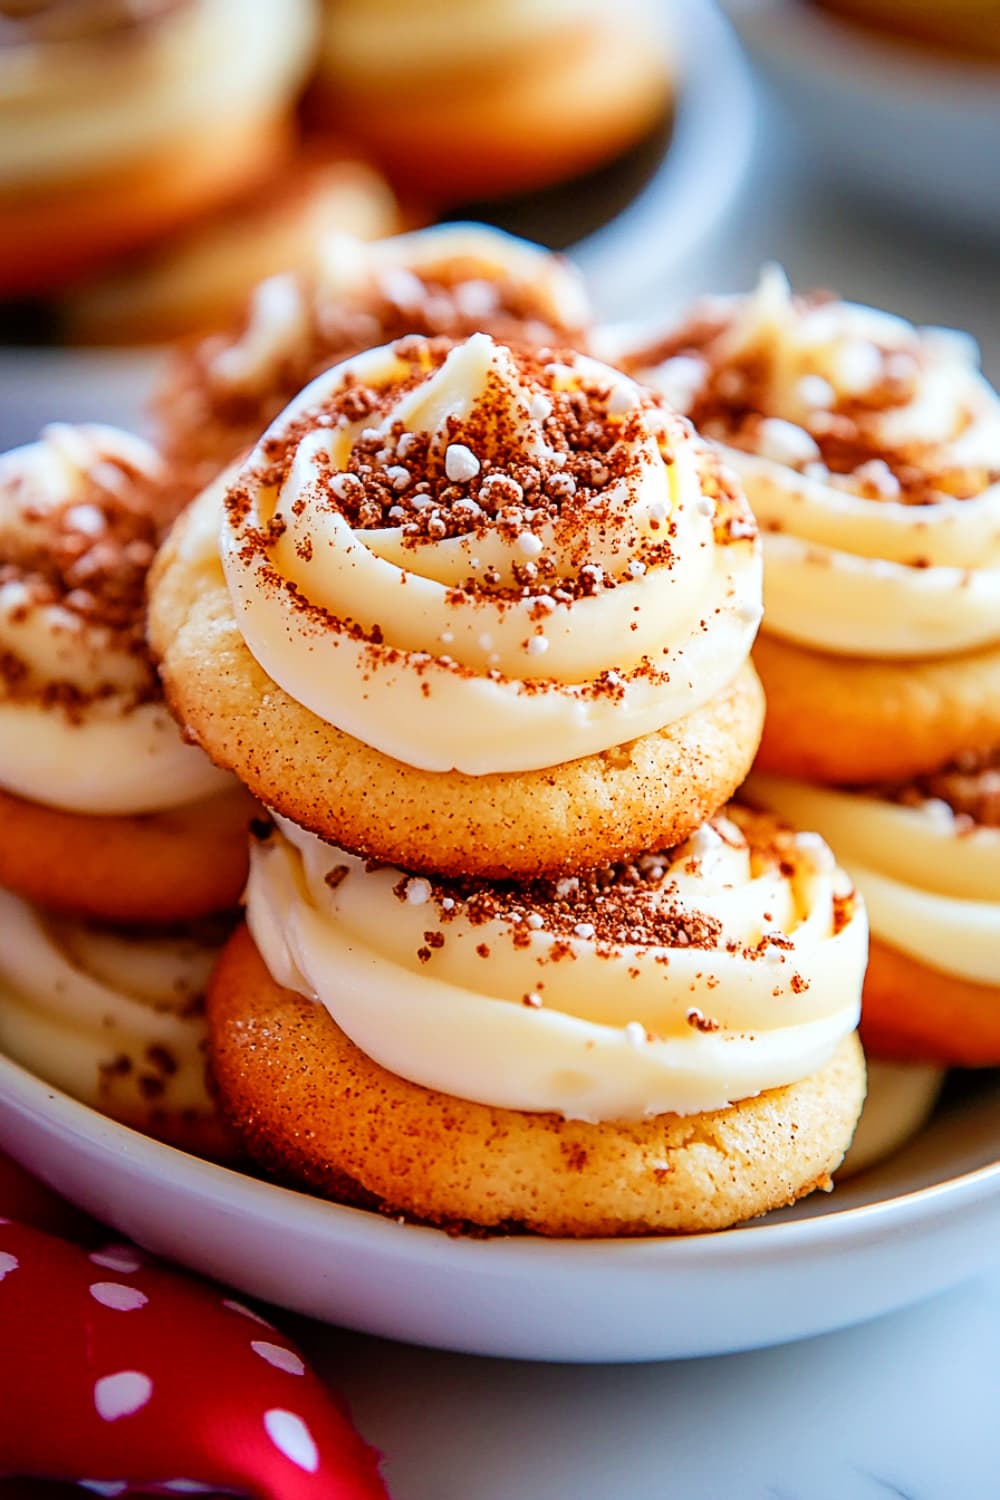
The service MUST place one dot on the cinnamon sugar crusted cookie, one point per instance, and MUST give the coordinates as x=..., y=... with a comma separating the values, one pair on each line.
x=662, y=1046
x=106, y=810
x=221, y=392
x=870, y=452
x=473, y=609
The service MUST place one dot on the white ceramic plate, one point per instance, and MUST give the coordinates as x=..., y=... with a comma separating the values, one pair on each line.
x=914, y=128
x=922, y=1222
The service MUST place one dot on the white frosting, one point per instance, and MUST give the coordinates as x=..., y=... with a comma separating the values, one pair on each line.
x=931, y=883
x=70, y=108
x=378, y=637
x=119, y=752
x=849, y=566
x=75, y=1000
x=514, y=1012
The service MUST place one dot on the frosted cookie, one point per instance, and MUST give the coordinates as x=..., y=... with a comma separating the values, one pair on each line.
x=870, y=453
x=120, y=122
x=106, y=811
x=898, y=1104
x=927, y=858
x=201, y=278
x=664, y=1046
x=219, y=394
x=473, y=609
x=482, y=100
x=115, y=1019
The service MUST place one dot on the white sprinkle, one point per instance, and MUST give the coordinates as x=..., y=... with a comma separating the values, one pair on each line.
x=118, y=1297
x=584, y=929
x=706, y=506
x=278, y=1356
x=785, y=443
x=636, y=568
x=544, y=603
x=593, y=570
x=622, y=398
x=460, y=463
x=86, y=518
x=877, y=472
x=533, y=998
x=344, y=485
x=486, y=641
x=539, y=407
x=561, y=486
x=420, y=502
x=448, y=904
x=635, y=1034
x=658, y=510
x=418, y=891
x=369, y=434
x=121, y=1394
x=406, y=442
x=292, y=1437
x=446, y=637
x=510, y=491
x=396, y=513
x=467, y=503
x=613, y=678
x=857, y=367
x=120, y=1258
x=557, y=460
x=567, y=886
x=538, y=645
x=529, y=544
x=814, y=391
x=534, y=921
x=397, y=476
x=437, y=526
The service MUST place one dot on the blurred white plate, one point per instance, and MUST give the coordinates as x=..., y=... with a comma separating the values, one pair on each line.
x=922, y=1222
x=913, y=127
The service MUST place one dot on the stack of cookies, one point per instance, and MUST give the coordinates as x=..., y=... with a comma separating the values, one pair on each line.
x=116, y=832
x=870, y=452
x=473, y=622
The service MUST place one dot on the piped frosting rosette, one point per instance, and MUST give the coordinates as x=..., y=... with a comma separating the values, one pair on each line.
x=870, y=453
x=116, y=1019
x=82, y=724
x=677, y=983
x=473, y=557
x=926, y=856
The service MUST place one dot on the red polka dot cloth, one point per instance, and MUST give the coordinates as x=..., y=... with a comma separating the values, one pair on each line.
x=126, y=1377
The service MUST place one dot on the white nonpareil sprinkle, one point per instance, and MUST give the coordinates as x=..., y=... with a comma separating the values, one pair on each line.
x=636, y=568
x=418, y=891
x=539, y=407
x=446, y=637
x=534, y=999
x=785, y=443
x=584, y=929
x=622, y=398
x=537, y=645
x=396, y=512
x=87, y=519
x=344, y=484
x=510, y=490
x=706, y=506
x=635, y=1034
x=460, y=463
x=529, y=545
x=535, y=921
x=397, y=476
x=815, y=391
x=448, y=904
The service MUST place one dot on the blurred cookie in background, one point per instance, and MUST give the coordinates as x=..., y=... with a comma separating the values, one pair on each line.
x=969, y=26
x=481, y=100
x=201, y=277
x=120, y=122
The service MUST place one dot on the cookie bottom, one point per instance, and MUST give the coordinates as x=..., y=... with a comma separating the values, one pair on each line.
x=310, y=1106
x=160, y=868
x=912, y=1013
x=840, y=719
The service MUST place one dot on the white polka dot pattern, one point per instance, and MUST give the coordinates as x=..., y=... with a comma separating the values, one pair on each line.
x=278, y=1356
x=121, y=1394
x=118, y=1297
x=292, y=1437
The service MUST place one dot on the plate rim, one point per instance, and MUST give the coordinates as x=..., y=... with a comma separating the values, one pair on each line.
x=57, y=1112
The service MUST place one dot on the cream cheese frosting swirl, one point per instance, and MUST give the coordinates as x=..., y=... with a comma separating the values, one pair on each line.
x=115, y=1019
x=82, y=724
x=678, y=983
x=870, y=453
x=474, y=557
x=929, y=870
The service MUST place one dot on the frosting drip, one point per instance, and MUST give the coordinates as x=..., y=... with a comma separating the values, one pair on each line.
x=680, y=982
